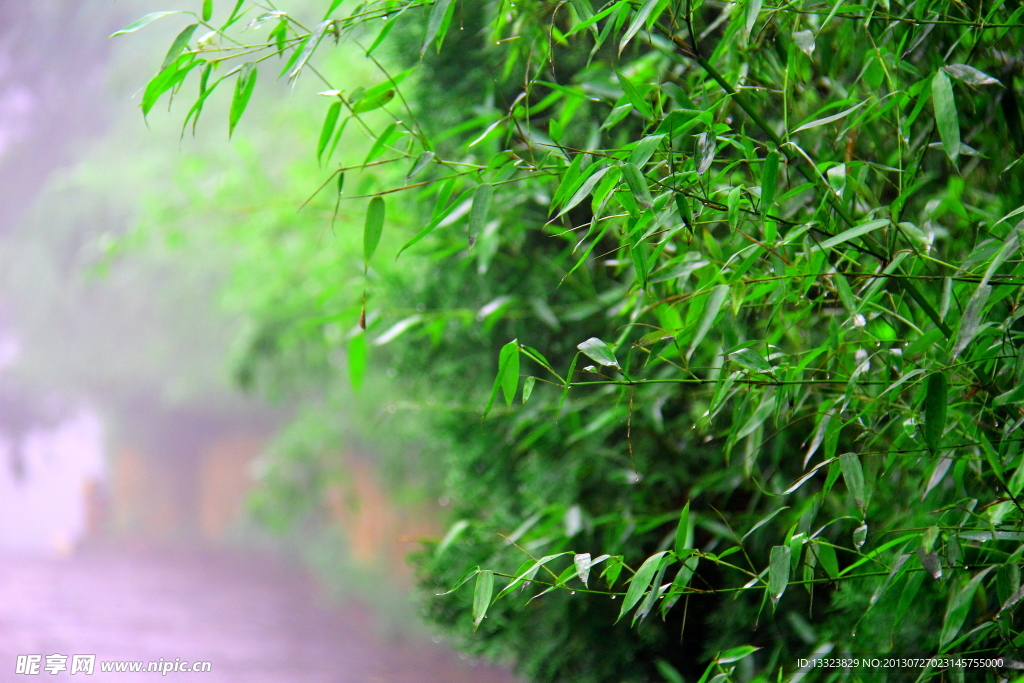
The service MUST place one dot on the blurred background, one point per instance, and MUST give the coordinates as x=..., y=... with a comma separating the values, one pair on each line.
x=128, y=454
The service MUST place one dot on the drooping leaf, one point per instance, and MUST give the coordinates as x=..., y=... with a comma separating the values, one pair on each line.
x=244, y=85
x=711, y=309
x=769, y=181
x=528, y=388
x=971, y=319
x=753, y=9
x=935, y=401
x=853, y=475
x=421, y=162
x=640, y=582
x=705, y=152
x=946, y=119
x=598, y=351
x=683, y=530
x=207, y=10
x=481, y=207
x=372, y=228
x=437, y=24
x=178, y=46
x=778, y=572
x=357, y=360
x=507, y=379
x=327, y=131
x=482, y=595
x=958, y=606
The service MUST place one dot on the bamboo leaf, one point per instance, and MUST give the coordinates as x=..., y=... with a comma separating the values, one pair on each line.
x=711, y=309
x=482, y=595
x=327, y=130
x=853, y=475
x=946, y=118
x=935, y=401
x=244, y=85
x=481, y=207
x=372, y=228
x=421, y=162
x=639, y=583
x=178, y=46
x=683, y=530
x=598, y=351
x=769, y=181
x=971, y=319
x=508, y=372
x=969, y=75
x=856, y=231
x=778, y=572
x=753, y=9
x=639, y=19
x=136, y=25
x=528, y=388
x=207, y=10
x=437, y=24
x=958, y=606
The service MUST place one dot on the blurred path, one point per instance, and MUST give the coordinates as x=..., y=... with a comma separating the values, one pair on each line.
x=255, y=620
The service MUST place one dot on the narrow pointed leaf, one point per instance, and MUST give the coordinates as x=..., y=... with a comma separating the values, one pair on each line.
x=244, y=85
x=178, y=46
x=641, y=580
x=711, y=309
x=935, y=401
x=778, y=572
x=958, y=606
x=946, y=118
x=482, y=595
x=683, y=530
x=373, y=227
x=853, y=475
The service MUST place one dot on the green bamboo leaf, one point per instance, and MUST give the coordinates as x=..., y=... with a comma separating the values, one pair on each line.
x=847, y=235
x=568, y=385
x=751, y=360
x=946, y=118
x=357, y=360
x=528, y=388
x=481, y=207
x=330, y=120
x=778, y=572
x=178, y=46
x=372, y=228
x=309, y=46
x=644, y=149
x=207, y=10
x=437, y=24
x=827, y=558
x=369, y=101
x=598, y=351
x=151, y=17
x=482, y=595
x=971, y=318
x=639, y=19
x=510, y=376
x=853, y=474
x=958, y=606
x=640, y=581
x=736, y=654
x=683, y=530
x=381, y=143
x=711, y=309
x=935, y=402
x=705, y=152
x=508, y=372
x=244, y=85
x=753, y=9
x=634, y=96
x=769, y=181
x=827, y=119
x=421, y=162
x=969, y=75
x=637, y=184
x=584, y=190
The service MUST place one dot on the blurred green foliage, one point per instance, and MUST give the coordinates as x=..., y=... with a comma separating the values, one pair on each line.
x=708, y=316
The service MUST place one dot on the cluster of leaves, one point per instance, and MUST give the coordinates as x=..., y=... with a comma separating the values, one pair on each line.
x=759, y=266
